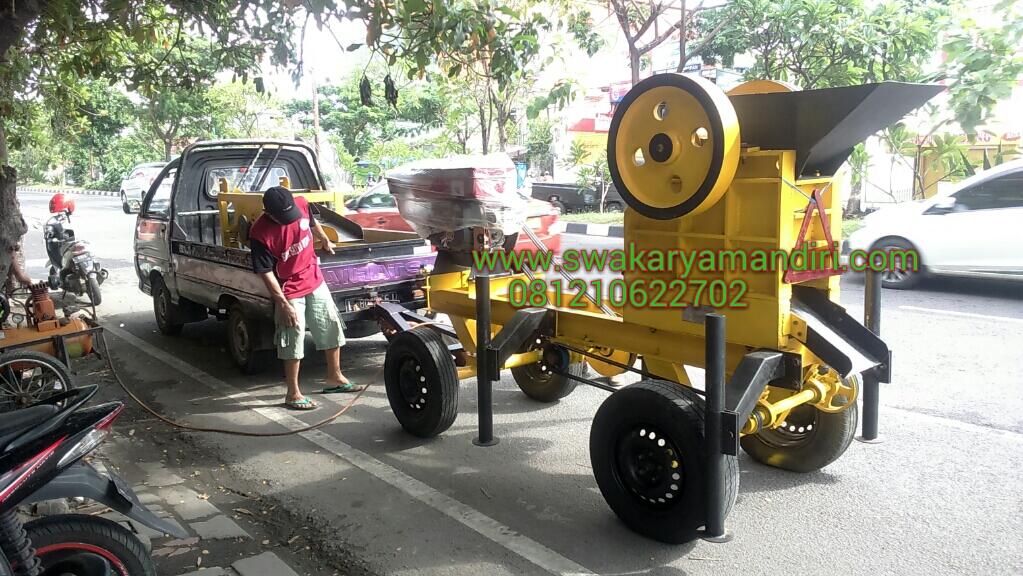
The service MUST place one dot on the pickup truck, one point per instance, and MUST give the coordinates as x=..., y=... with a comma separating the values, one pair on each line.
x=192, y=257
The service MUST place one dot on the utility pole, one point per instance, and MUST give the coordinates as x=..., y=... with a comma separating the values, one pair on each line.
x=316, y=117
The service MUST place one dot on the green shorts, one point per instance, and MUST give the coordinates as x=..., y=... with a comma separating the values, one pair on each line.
x=316, y=311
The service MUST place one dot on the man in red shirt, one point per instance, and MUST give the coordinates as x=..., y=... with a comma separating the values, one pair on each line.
x=283, y=254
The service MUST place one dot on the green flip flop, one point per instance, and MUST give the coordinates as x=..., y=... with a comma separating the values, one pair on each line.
x=303, y=404
x=343, y=388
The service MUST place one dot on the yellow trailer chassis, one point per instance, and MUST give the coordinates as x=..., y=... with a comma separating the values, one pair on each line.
x=702, y=172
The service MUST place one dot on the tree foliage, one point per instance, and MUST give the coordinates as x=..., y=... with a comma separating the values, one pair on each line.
x=819, y=44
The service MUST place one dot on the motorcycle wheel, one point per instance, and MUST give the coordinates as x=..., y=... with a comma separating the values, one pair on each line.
x=81, y=545
x=92, y=289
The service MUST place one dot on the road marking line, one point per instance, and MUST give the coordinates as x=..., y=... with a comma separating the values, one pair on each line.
x=963, y=314
x=473, y=519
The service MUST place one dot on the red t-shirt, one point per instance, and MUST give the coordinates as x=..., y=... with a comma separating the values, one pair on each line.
x=287, y=250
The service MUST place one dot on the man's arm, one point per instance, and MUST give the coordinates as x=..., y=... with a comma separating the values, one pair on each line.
x=263, y=263
x=319, y=234
x=277, y=295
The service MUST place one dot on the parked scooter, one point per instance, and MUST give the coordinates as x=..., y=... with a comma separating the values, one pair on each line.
x=72, y=267
x=41, y=450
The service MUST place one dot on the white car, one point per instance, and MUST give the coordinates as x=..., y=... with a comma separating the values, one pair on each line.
x=974, y=229
x=136, y=184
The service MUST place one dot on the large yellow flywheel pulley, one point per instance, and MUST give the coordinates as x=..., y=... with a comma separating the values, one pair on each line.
x=673, y=146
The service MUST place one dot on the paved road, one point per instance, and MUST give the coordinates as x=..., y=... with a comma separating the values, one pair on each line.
x=939, y=496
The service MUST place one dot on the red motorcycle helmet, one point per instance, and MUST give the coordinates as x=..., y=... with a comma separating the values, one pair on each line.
x=61, y=203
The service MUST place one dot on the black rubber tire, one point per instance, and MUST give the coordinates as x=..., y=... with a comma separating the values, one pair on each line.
x=124, y=204
x=905, y=280
x=115, y=541
x=243, y=333
x=557, y=203
x=53, y=364
x=438, y=407
x=677, y=412
x=832, y=434
x=168, y=316
x=92, y=289
x=542, y=385
x=613, y=206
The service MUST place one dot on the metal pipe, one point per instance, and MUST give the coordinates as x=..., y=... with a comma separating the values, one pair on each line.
x=770, y=411
x=714, y=324
x=523, y=358
x=871, y=387
x=484, y=385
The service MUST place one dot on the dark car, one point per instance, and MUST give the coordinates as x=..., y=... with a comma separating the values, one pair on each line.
x=574, y=198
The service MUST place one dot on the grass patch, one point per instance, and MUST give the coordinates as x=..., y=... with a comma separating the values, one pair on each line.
x=595, y=217
x=850, y=225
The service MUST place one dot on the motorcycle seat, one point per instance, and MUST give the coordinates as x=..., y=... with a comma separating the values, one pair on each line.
x=13, y=424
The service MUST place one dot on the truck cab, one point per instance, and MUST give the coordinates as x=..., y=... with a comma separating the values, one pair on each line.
x=192, y=255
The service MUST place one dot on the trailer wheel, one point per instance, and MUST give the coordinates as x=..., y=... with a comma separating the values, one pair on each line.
x=538, y=381
x=422, y=382
x=807, y=440
x=243, y=333
x=168, y=316
x=647, y=452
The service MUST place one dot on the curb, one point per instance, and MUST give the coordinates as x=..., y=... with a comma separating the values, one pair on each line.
x=79, y=191
x=595, y=229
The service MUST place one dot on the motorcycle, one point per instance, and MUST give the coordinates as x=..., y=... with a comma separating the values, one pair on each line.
x=72, y=266
x=41, y=451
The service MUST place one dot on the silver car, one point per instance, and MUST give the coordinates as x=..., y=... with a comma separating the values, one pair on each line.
x=136, y=184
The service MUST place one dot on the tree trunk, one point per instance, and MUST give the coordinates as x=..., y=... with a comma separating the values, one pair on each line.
x=634, y=57
x=12, y=225
x=852, y=204
x=168, y=145
x=3, y=146
x=682, y=39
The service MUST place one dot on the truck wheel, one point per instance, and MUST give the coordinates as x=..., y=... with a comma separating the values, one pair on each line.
x=242, y=335
x=807, y=440
x=422, y=382
x=168, y=316
x=647, y=452
x=538, y=381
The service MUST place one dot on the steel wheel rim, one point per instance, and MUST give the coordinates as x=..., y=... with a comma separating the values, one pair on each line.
x=412, y=383
x=795, y=430
x=161, y=307
x=649, y=466
x=20, y=388
x=241, y=338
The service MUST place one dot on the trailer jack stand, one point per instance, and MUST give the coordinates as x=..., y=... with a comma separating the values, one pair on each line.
x=484, y=378
x=871, y=387
x=716, y=499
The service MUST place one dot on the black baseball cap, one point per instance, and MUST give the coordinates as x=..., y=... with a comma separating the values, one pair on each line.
x=280, y=204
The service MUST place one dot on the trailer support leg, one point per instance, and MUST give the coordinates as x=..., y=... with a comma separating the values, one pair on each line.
x=484, y=384
x=871, y=387
x=714, y=531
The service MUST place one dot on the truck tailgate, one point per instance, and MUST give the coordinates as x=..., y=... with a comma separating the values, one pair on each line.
x=375, y=264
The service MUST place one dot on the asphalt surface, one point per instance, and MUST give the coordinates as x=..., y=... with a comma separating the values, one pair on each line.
x=938, y=496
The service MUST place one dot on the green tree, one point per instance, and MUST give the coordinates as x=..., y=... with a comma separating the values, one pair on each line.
x=239, y=110
x=819, y=44
x=420, y=107
x=540, y=145
x=648, y=24
x=983, y=64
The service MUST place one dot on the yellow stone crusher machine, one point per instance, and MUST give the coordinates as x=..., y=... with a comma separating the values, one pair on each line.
x=751, y=170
